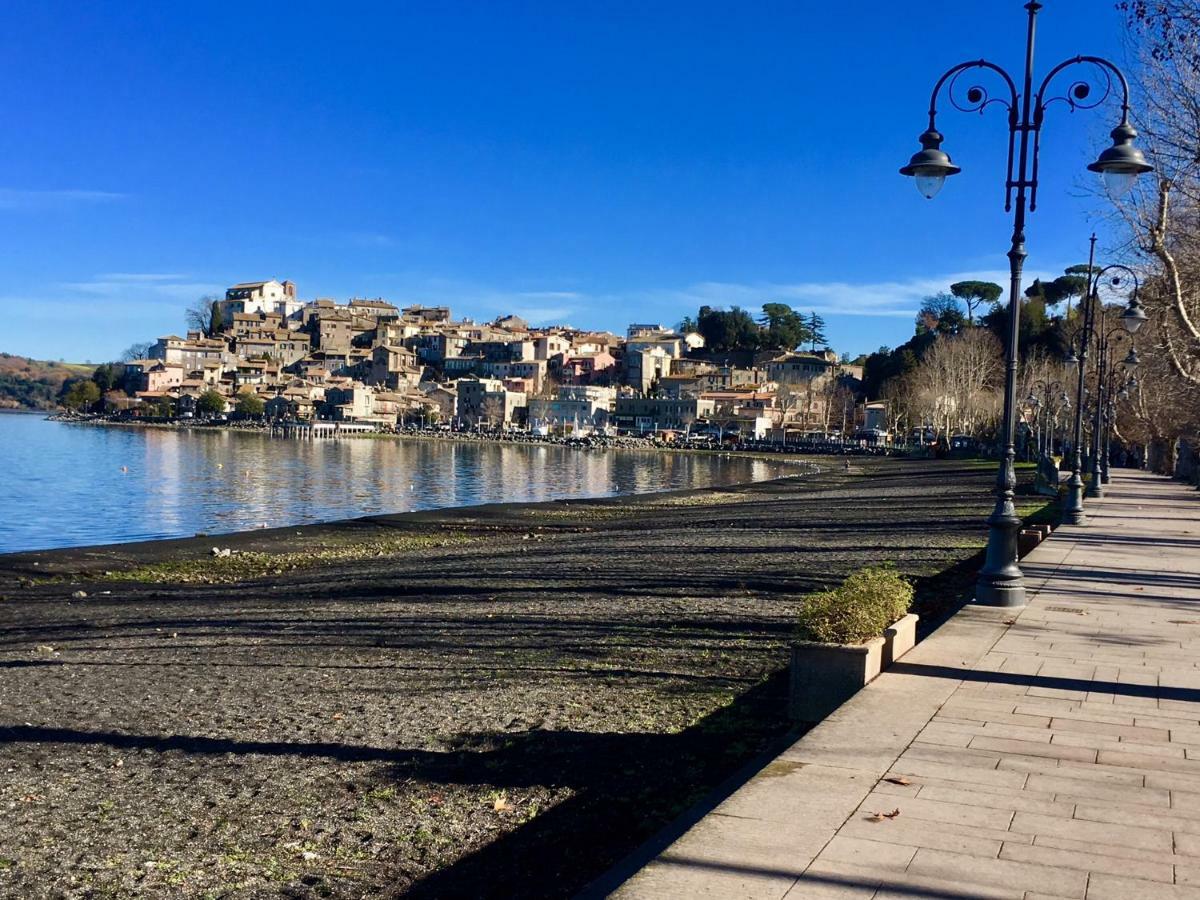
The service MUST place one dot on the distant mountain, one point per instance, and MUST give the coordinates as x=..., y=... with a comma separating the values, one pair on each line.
x=34, y=383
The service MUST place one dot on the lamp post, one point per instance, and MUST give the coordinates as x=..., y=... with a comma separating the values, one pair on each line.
x=1132, y=318
x=1055, y=401
x=1064, y=407
x=1105, y=392
x=1048, y=400
x=1117, y=393
x=1000, y=581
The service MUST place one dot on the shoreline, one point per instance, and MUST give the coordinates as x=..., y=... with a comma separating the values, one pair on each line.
x=93, y=559
x=781, y=466
x=761, y=448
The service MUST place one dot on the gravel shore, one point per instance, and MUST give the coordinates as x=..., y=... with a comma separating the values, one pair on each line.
x=489, y=701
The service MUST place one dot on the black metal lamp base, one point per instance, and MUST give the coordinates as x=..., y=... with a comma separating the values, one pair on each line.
x=1000, y=580
x=989, y=592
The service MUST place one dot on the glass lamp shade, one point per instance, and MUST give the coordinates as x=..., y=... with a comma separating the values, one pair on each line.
x=1071, y=363
x=930, y=185
x=1122, y=163
x=1131, y=361
x=1118, y=184
x=930, y=165
x=1133, y=316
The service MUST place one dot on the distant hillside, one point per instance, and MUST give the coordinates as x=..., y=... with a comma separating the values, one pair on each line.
x=33, y=383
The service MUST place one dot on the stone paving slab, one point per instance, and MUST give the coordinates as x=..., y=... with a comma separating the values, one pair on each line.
x=1048, y=753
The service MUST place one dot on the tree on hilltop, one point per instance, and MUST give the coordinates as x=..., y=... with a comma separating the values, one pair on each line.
x=204, y=315
x=136, y=351
x=784, y=328
x=816, y=331
x=726, y=331
x=974, y=294
x=939, y=314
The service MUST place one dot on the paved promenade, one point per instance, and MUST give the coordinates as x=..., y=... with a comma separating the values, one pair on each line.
x=1049, y=753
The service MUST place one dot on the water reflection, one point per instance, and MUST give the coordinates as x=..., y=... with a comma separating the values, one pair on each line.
x=66, y=487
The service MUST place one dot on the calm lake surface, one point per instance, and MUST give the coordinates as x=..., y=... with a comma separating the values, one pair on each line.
x=73, y=485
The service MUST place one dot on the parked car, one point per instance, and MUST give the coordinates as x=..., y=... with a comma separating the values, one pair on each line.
x=964, y=443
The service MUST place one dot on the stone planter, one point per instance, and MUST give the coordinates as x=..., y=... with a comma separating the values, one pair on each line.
x=1027, y=540
x=824, y=676
x=899, y=639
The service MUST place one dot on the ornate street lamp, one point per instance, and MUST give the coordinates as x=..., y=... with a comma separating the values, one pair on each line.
x=1105, y=402
x=1132, y=318
x=1000, y=581
x=1055, y=401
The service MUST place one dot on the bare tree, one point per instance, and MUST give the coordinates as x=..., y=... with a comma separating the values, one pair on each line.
x=1164, y=215
x=136, y=351
x=204, y=315
x=788, y=399
x=901, y=410
x=956, y=386
x=493, y=411
x=1160, y=409
x=1163, y=221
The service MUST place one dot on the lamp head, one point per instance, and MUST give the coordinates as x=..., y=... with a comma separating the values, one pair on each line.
x=1131, y=360
x=1134, y=315
x=930, y=166
x=1122, y=163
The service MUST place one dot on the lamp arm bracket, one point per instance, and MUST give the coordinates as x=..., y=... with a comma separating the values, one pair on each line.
x=1121, y=267
x=977, y=97
x=1080, y=95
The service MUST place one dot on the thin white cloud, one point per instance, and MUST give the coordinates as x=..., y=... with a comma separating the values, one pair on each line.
x=140, y=287
x=13, y=199
x=542, y=315
x=884, y=300
x=537, y=307
x=140, y=276
x=370, y=239
x=847, y=298
x=551, y=295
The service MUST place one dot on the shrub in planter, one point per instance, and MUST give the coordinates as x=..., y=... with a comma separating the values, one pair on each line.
x=863, y=606
x=847, y=635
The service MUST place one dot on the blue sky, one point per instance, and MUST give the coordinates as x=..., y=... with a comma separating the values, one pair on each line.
x=593, y=163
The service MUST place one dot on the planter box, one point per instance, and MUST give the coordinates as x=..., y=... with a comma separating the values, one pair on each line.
x=1027, y=540
x=824, y=676
x=899, y=639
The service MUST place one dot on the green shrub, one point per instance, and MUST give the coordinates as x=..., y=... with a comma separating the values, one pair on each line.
x=863, y=606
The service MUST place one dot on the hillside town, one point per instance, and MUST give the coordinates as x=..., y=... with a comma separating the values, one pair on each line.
x=370, y=364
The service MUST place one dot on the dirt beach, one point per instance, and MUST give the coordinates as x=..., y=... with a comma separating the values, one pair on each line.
x=487, y=701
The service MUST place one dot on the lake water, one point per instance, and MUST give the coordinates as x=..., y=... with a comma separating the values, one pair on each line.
x=73, y=485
